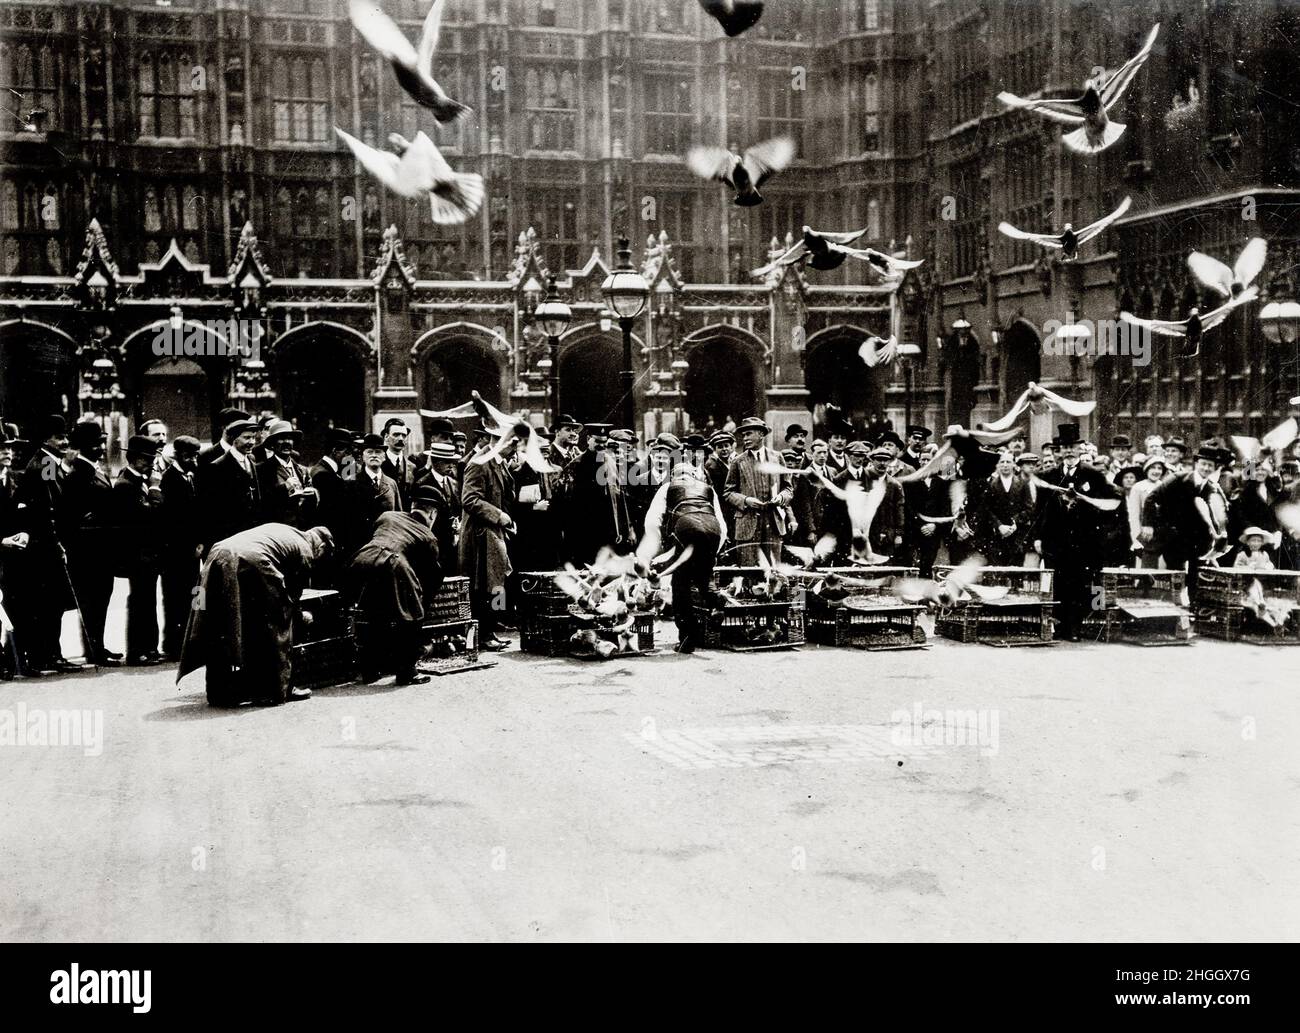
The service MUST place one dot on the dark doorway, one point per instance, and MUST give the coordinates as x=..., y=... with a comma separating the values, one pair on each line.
x=455, y=368
x=1024, y=354
x=322, y=384
x=176, y=391
x=719, y=384
x=836, y=375
x=590, y=389
x=38, y=375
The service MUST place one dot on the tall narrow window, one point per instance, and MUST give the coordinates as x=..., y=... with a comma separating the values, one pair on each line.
x=190, y=205
x=8, y=205
x=152, y=213
x=871, y=113
x=873, y=219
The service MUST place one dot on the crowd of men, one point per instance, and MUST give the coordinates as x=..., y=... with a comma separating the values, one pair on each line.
x=68, y=527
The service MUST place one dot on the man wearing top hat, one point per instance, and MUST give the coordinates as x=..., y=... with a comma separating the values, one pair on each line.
x=182, y=541
x=1180, y=513
x=138, y=526
x=228, y=492
x=282, y=482
x=85, y=528
x=917, y=436
x=759, y=500
x=48, y=588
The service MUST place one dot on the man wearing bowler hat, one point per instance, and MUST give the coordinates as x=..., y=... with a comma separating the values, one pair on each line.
x=333, y=478
x=229, y=498
x=49, y=590
x=136, y=521
x=759, y=499
x=796, y=446
x=85, y=530
x=282, y=482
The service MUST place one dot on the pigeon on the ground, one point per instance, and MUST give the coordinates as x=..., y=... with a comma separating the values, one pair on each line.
x=1069, y=239
x=1230, y=282
x=744, y=174
x=874, y=351
x=413, y=67
x=735, y=16
x=1193, y=328
x=419, y=171
x=1096, y=131
x=1039, y=400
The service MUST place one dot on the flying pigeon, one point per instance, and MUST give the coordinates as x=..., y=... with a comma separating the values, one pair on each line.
x=735, y=16
x=1230, y=282
x=1096, y=131
x=1280, y=437
x=862, y=505
x=1105, y=505
x=961, y=583
x=1069, y=239
x=1039, y=400
x=743, y=174
x=817, y=249
x=413, y=68
x=1195, y=325
x=421, y=171
x=875, y=351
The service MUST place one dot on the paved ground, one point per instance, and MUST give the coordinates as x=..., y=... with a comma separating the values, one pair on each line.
x=1114, y=793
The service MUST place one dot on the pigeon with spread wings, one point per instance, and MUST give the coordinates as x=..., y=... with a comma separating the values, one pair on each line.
x=875, y=351
x=816, y=249
x=413, y=67
x=1039, y=400
x=1096, y=131
x=1194, y=327
x=1069, y=239
x=421, y=171
x=743, y=173
x=1230, y=282
x=735, y=16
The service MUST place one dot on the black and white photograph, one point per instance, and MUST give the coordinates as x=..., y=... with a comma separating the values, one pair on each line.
x=651, y=471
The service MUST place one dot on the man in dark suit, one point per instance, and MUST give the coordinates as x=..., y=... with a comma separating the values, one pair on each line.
x=85, y=532
x=598, y=510
x=917, y=436
x=838, y=432
x=40, y=492
x=1074, y=542
x=13, y=541
x=182, y=539
x=333, y=478
x=1002, y=522
x=228, y=489
x=930, y=496
x=723, y=444
x=221, y=445
x=1179, y=512
x=283, y=483
x=796, y=447
x=443, y=496
x=486, y=496
x=396, y=466
x=807, y=501
x=136, y=521
x=373, y=492
x=761, y=500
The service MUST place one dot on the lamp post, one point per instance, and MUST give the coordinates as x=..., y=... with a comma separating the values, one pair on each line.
x=553, y=316
x=626, y=293
x=1281, y=323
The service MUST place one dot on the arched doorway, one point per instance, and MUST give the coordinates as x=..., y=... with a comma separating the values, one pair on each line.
x=456, y=366
x=590, y=388
x=38, y=373
x=321, y=378
x=836, y=375
x=719, y=383
x=1024, y=352
x=177, y=392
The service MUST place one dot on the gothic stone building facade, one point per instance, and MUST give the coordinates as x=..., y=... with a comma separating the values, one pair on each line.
x=150, y=146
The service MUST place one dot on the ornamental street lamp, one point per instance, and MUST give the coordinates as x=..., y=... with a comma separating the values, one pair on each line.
x=553, y=316
x=1281, y=323
x=626, y=293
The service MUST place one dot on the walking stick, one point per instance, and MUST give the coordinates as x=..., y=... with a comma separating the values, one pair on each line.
x=81, y=619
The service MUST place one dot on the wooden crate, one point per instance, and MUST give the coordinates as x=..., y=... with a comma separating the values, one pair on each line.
x=741, y=627
x=1140, y=623
x=1227, y=586
x=323, y=662
x=960, y=622
x=1034, y=582
x=873, y=581
x=723, y=577
x=545, y=634
x=451, y=601
x=643, y=633
x=865, y=622
x=1015, y=621
x=538, y=594
x=1123, y=583
x=451, y=647
x=1236, y=624
x=321, y=615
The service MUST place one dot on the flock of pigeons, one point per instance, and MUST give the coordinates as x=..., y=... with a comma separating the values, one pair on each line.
x=416, y=169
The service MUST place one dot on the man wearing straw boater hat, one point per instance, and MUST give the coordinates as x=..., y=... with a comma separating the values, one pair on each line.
x=759, y=499
x=440, y=477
